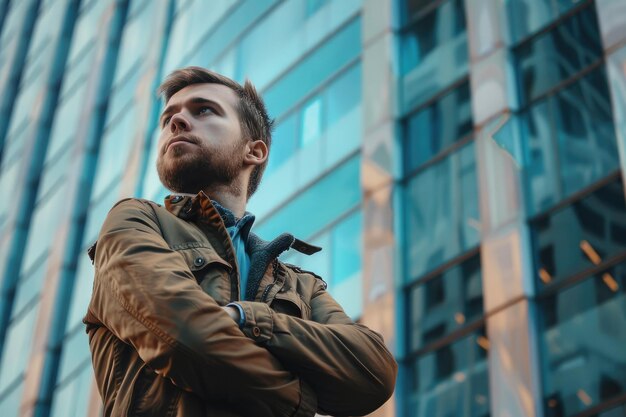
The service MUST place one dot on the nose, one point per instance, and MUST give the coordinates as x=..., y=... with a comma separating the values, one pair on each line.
x=178, y=123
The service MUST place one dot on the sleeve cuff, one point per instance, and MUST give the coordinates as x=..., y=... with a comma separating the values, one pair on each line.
x=242, y=314
x=259, y=323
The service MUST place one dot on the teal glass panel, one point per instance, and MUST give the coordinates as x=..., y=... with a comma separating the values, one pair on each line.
x=284, y=143
x=444, y=303
x=584, y=332
x=75, y=353
x=441, y=212
x=437, y=127
x=18, y=346
x=10, y=400
x=314, y=69
x=526, y=17
x=570, y=141
x=581, y=235
x=433, y=53
x=317, y=206
x=71, y=398
x=450, y=381
x=557, y=55
x=346, y=244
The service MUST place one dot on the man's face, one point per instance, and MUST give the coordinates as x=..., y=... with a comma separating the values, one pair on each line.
x=201, y=144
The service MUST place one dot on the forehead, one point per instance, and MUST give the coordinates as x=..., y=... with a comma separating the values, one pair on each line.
x=219, y=93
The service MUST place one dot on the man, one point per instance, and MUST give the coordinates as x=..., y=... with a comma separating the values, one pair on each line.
x=193, y=315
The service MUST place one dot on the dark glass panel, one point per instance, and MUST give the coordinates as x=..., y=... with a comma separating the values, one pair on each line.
x=445, y=303
x=436, y=127
x=577, y=237
x=450, y=381
x=582, y=341
x=555, y=56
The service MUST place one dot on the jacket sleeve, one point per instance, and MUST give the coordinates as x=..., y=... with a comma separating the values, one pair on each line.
x=347, y=364
x=145, y=294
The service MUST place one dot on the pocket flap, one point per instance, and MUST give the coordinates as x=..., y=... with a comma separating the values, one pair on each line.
x=198, y=258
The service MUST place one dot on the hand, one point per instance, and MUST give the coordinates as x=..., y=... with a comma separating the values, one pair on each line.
x=233, y=312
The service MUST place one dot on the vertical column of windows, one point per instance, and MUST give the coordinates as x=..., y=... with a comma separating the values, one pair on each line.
x=446, y=346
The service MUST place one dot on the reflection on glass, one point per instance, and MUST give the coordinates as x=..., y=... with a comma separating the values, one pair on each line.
x=528, y=16
x=433, y=52
x=582, y=235
x=451, y=381
x=444, y=303
x=558, y=54
x=570, y=141
x=314, y=69
x=442, y=212
x=346, y=248
x=311, y=121
x=436, y=127
x=318, y=205
x=583, y=343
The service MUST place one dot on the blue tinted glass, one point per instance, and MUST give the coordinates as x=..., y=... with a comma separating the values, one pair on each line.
x=343, y=95
x=436, y=127
x=317, y=206
x=586, y=133
x=71, y=398
x=284, y=143
x=442, y=212
x=528, y=16
x=444, y=303
x=583, y=343
x=558, y=54
x=18, y=346
x=433, y=53
x=450, y=381
x=346, y=247
x=314, y=69
x=581, y=235
x=570, y=141
x=10, y=402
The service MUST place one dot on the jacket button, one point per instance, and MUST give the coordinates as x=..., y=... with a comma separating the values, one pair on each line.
x=199, y=261
x=256, y=331
x=176, y=199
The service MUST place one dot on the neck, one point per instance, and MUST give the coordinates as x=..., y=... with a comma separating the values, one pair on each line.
x=230, y=197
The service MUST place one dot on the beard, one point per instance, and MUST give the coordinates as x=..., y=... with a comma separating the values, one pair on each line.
x=190, y=171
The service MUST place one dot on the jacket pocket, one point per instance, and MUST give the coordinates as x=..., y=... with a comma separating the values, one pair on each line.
x=152, y=395
x=290, y=302
x=211, y=271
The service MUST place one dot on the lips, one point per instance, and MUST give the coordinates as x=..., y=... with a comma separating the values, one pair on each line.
x=176, y=139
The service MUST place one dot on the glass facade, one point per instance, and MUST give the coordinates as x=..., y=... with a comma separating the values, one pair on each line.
x=384, y=154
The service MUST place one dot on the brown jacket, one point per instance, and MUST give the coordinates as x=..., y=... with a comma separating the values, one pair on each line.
x=162, y=346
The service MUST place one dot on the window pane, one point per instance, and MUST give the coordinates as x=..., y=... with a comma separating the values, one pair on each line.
x=445, y=303
x=311, y=121
x=581, y=235
x=18, y=344
x=284, y=143
x=314, y=69
x=583, y=343
x=433, y=53
x=559, y=54
x=444, y=224
x=346, y=284
x=436, y=127
x=570, y=140
x=528, y=16
x=450, y=381
x=310, y=211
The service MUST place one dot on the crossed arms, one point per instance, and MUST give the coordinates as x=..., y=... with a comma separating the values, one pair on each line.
x=145, y=294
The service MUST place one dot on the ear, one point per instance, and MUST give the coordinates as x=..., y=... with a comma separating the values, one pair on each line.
x=256, y=152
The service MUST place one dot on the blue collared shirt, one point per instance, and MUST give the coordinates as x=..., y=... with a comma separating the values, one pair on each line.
x=239, y=230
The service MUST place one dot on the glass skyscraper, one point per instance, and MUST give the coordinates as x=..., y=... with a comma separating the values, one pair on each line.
x=460, y=162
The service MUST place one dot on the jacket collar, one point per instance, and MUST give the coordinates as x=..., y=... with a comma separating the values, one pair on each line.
x=262, y=253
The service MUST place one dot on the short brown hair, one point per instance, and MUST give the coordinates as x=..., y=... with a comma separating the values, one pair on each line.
x=253, y=118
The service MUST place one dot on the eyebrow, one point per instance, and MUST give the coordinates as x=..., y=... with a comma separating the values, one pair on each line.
x=194, y=100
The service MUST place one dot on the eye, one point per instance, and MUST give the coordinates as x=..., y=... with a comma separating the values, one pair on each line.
x=166, y=121
x=205, y=110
